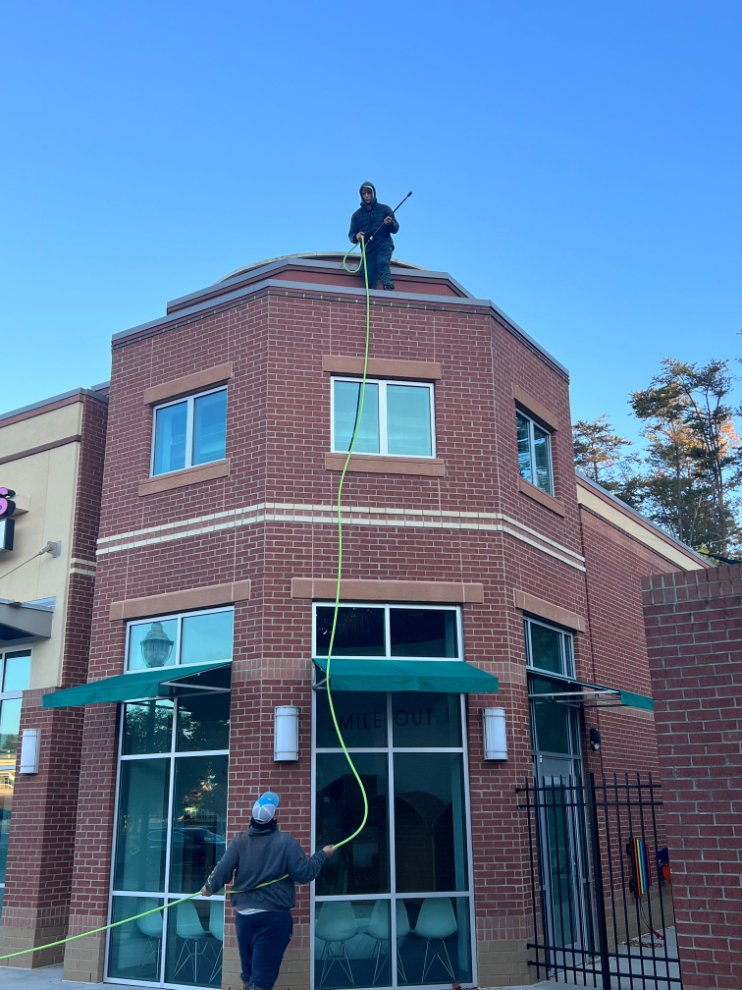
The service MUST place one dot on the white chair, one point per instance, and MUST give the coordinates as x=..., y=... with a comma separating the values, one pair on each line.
x=190, y=931
x=216, y=927
x=435, y=923
x=151, y=927
x=336, y=924
x=378, y=928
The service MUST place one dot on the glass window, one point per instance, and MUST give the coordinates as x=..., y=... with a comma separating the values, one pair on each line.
x=15, y=677
x=199, y=820
x=347, y=397
x=194, y=637
x=388, y=631
x=190, y=431
x=361, y=716
x=141, y=842
x=441, y=924
x=534, y=453
x=423, y=719
x=203, y=722
x=17, y=673
x=361, y=866
x=549, y=649
x=134, y=952
x=147, y=727
x=551, y=722
x=423, y=632
x=7, y=783
x=397, y=418
x=210, y=427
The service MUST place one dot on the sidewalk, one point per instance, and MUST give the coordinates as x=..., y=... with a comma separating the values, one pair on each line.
x=46, y=978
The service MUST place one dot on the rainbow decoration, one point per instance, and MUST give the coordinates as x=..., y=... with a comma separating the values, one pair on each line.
x=642, y=873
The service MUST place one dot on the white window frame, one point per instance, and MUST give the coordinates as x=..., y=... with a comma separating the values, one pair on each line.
x=190, y=417
x=383, y=383
x=387, y=640
x=178, y=616
x=568, y=655
x=532, y=451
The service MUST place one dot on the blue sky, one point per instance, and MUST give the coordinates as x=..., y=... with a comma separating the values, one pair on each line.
x=576, y=162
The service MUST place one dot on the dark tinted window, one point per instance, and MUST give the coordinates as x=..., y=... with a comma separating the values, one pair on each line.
x=423, y=632
x=359, y=633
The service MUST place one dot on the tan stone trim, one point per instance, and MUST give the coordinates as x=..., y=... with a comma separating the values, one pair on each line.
x=179, y=479
x=180, y=601
x=432, y=467
x=526, y=488
x=189, y=383
x=546, y=610
x=538, y=409
x=382, y=368
x=41, y=449
x=389, y=591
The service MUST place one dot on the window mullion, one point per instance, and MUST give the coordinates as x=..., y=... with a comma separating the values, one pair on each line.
x=383, y=430
x=190, y=439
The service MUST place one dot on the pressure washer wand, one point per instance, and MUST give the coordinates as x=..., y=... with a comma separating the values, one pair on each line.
x=393, y=213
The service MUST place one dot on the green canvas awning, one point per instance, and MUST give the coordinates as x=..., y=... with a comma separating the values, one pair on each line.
x=590, y=695
x=402, y=674
x=125, y=687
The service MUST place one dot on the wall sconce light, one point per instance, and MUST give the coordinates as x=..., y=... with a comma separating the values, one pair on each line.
x=594, y=740
x=286, y=733
x=495, y=734
x=30, y=747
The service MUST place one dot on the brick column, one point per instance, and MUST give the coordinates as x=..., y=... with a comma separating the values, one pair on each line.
x=694, y=634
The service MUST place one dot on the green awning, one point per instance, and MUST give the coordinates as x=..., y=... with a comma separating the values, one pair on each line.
x=126, y=687
x=589, y=695
x=630, y=700
x=401, y=674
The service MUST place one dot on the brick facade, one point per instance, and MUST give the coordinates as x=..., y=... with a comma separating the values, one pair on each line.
x=269, y=518
x=694, y=636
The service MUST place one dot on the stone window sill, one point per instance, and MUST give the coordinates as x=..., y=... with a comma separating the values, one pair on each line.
x=431, y=467
x=179, y=479
x=526, y=488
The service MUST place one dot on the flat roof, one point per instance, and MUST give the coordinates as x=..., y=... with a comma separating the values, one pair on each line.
x=94, y=392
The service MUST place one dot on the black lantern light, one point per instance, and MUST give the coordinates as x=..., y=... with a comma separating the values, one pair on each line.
x=156, y=646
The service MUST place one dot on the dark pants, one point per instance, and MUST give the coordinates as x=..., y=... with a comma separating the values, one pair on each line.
x=377, y=264
x=262, y=939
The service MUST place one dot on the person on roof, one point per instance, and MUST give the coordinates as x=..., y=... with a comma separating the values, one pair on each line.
x=375, y=220
x=256, y=859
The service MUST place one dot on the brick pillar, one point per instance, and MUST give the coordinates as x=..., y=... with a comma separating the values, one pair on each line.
x=694, y=634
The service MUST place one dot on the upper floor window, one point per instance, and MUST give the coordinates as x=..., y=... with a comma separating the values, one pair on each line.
x=189, y=431
x=389, y=631
x=549, y=649
x=534, y=453
x=191, y=637
x=398, y=418
x=15, y=677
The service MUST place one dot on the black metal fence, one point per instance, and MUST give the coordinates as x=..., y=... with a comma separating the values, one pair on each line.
x=600, y=882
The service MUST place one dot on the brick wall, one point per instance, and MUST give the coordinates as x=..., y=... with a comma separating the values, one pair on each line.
x=694, y=635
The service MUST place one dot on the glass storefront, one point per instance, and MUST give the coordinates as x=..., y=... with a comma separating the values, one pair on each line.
x=170, y=832
x=15, y=676
x=393, y=907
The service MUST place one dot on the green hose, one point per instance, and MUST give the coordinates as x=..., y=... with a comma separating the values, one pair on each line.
x=359, y=416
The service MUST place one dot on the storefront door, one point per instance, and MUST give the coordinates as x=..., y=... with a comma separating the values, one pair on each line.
x=393, y=908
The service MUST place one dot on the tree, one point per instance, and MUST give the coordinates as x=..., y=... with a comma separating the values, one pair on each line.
x=597, y=448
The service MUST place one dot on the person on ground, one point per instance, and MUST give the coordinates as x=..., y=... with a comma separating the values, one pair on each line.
x=263, y=920
x=375, y=218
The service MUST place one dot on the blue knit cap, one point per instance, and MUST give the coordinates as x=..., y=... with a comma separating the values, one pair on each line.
x=265, y=807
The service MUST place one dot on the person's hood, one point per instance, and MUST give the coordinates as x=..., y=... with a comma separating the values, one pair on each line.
x=262, y=828
x=371, y=186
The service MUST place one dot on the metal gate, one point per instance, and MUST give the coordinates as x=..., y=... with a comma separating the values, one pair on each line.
x=600, y=883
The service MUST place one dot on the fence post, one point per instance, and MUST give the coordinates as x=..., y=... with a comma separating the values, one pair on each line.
x=598, y=883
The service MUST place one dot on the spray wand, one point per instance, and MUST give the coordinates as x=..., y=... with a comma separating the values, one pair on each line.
x=394, y=211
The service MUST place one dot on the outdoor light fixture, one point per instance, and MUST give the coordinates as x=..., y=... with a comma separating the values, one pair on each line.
x=594, y=740
x=156, y=646
x=30, y=746
x=494, y=731
x=285, y=733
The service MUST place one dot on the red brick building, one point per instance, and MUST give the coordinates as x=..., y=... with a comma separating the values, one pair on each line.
x=476, y=568
x=694, y=636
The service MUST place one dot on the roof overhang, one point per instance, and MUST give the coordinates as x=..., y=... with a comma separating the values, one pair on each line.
x=24, y=622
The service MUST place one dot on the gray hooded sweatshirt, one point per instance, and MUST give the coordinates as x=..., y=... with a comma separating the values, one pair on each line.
x=264, y=854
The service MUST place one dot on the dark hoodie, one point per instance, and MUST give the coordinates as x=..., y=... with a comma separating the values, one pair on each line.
x=263, y=853
x=368, y=218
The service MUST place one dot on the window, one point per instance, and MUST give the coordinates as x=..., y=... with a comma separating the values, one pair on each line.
x=397, y=418
x=389, y=631
x=534, y=453
x=549, y=649
x=171, y=830
x=15, y=677
x=189, y=432
x=192, y=637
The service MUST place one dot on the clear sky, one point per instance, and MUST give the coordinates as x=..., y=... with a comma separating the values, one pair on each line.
x=576, y=162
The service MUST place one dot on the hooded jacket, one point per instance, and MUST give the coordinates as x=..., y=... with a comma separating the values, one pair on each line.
x=368, y=218
x=262, y=854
